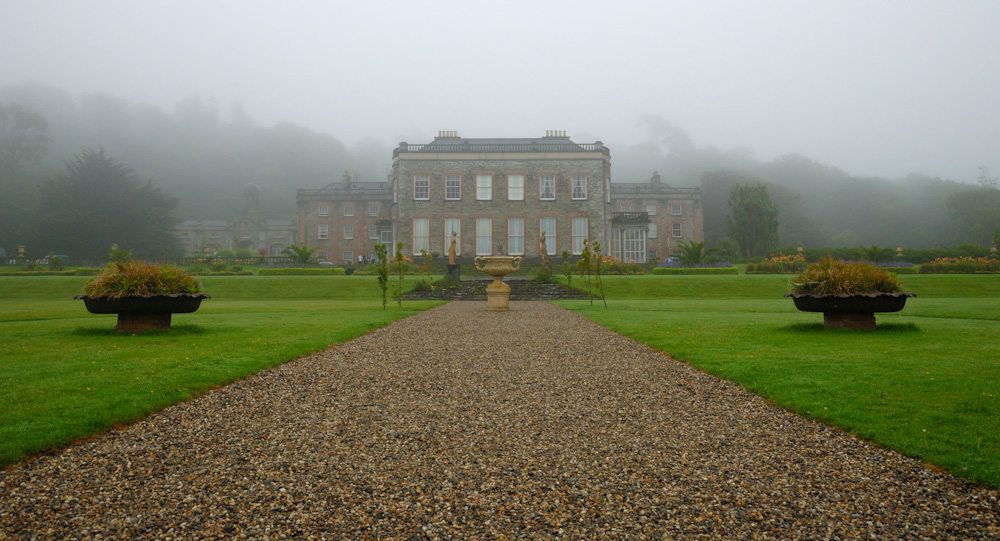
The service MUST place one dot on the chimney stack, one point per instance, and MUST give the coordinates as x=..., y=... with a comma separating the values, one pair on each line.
x=655, y=179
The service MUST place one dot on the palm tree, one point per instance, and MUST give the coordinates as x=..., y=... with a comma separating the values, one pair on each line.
x=300, y=254
x=693, y=253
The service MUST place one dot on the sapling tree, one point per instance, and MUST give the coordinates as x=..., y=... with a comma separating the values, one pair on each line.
x=426, y=270
x=598, y=263
x=567, y=270
x=400, y=271
x=382, y=267
x=585, y=267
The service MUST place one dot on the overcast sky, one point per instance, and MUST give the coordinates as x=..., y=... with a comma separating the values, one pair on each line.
x=874, y=87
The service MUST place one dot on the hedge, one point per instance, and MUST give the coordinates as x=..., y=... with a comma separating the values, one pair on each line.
x=74, y=272
x=336, y=271
x=696, y=270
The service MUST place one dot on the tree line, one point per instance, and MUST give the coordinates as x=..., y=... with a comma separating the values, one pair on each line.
x=192, y=163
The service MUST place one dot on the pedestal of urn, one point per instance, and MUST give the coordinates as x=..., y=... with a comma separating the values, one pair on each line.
x=498, y=293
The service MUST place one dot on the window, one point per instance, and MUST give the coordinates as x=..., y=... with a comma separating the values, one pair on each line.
x=548, y=226
x=515, y=236
x=421, y=187
x=323, y=231
x=373, y=210
x=348, y=210
x=675, y=209
x=386, y=237
x=372, y=231
x=484, y=236
x=323, y=210
x=453, y=187
x=420, y=233
x=515, y=187
x=546, y=187
x=635, y=245
x=651, y=210
x=652, y=231
x=484, y=187
x=677, y=231
x=348, y=231
x=453, y=224
x=321, y=255
x=579, y=234
x=348, y=257
x=626, y=208
x=579, y=186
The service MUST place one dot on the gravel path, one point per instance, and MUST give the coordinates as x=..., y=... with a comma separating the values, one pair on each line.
x=436, y=428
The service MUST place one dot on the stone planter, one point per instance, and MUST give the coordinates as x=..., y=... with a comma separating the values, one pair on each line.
x=136, y=313
x=850, y=311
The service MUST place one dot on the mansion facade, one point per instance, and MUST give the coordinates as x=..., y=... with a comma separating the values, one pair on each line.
x=498, y=196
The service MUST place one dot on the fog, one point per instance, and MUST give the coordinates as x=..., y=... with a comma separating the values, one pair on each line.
x=880, y=88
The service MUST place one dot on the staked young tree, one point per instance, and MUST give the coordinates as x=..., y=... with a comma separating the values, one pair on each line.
x=100, y=202
x=753, y=220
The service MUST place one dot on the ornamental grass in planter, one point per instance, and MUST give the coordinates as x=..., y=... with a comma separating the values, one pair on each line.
x=143, y=295
x=848, y=293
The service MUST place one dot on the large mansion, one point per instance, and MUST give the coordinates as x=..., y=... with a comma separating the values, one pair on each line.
x=497, y=195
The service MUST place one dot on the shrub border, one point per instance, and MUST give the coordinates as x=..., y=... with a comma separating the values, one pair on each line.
x=702, y=270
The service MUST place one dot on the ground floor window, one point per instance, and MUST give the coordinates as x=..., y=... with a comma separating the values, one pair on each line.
x=579, y=234
x=515, y=236
x=348, y=257
x=634, y=244
x=484, y=236
x=421, y=230
x=548, y=226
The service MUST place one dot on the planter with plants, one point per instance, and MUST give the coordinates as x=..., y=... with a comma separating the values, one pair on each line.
x=849, y=294
x=143, y=295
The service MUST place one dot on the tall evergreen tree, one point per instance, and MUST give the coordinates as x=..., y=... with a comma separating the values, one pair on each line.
x=100, y=202
x=753, y=220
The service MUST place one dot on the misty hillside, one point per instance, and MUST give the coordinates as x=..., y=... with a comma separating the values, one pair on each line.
x=202, y=153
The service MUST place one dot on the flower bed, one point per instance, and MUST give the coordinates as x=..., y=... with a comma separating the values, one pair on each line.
x=962, y=265
x=778, y=264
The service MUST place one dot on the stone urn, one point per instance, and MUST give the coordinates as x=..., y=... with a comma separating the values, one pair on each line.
x=137, y=313
x=850, y=311
x=498, y=293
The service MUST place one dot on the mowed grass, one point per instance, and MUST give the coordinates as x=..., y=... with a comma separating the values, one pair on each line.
x=925, y=383
x=66, y=374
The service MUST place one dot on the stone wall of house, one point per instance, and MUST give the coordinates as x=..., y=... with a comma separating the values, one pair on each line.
x=594, y=166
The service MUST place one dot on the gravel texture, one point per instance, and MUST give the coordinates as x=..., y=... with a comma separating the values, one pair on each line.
x=460, y=423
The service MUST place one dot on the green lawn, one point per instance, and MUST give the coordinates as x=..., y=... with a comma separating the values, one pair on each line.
x=65, y=373
x=926, y=383
x=934, y=367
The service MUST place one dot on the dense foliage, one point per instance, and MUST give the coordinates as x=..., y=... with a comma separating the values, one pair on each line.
x=138, y=278
x=833, y=277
